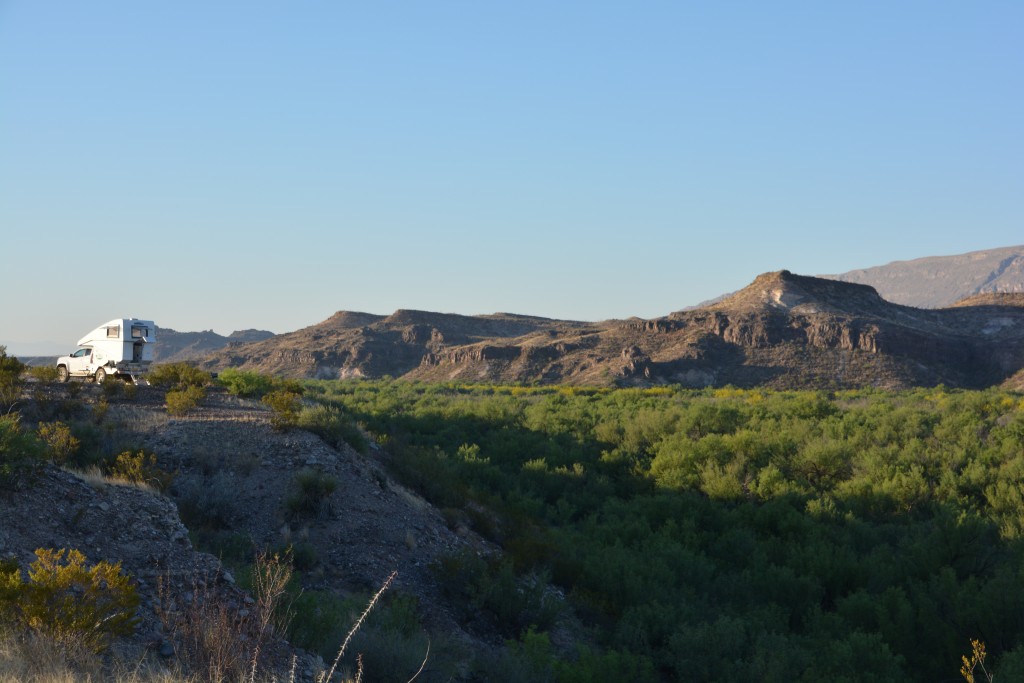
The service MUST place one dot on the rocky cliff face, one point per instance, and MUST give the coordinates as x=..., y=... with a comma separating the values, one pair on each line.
x=783, y=330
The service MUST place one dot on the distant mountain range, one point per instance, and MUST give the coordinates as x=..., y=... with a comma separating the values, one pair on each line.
x=782, y=331
x=955, y=320
x=939, y=281
x=184, y=346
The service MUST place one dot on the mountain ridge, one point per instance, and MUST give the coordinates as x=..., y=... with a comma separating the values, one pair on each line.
x=941, y=281
x=783, y=330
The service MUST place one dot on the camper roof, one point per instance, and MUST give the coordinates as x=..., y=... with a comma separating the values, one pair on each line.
x=125, y=329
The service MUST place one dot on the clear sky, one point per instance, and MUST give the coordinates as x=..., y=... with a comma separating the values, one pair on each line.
x=227, y=165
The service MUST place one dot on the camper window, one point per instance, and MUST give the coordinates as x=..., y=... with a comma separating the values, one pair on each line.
x=139, y=332
x=114, y=332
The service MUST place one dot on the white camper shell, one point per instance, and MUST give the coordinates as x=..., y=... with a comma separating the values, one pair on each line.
x=122, y=347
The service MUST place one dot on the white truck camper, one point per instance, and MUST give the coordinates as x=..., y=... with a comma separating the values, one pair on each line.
x=121, y=348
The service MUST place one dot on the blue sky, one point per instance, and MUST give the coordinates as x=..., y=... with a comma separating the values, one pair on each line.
x=227, y=165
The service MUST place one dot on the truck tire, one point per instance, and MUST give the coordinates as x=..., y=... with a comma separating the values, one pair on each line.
x=101, y=375
x=62, y=374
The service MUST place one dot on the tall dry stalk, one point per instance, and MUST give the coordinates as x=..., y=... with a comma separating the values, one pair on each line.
x=325, y=678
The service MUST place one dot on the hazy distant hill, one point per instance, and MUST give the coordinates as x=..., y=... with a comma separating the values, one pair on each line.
x=783, y=330
x=939, y=281
x=177, y=346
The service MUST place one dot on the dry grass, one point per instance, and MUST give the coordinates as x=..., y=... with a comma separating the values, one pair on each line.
x=35, y=660
x=95, y=477
x=220, y=640
x=217, y=641
x=29, y=658
x=140, y=419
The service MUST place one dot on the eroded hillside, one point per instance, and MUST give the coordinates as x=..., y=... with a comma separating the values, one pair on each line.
x=231, y=481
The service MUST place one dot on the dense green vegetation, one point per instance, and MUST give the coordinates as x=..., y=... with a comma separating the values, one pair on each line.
x=727, y=535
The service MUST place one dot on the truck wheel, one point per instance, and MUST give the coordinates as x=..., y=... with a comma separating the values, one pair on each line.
x=62, y=374
x=101, y=375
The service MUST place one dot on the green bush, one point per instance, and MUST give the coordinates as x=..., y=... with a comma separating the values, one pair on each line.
x=21, y=454
x=178, y=375
x=245, y=383
x=74, y=389
x=93, y=448
x=140, y=468
x=233, y=548
x=489, y=584
x=208, y=503
x=322, y=619
x=310, y=494
x=113, y=388
x=333, y=426
x=99, y=410
x=61, y=444
x=285, y=405
x=391, y=642
x=305, y=556
x=11, y=370
x=185, y=400
x=43, y=373
x=68, y=602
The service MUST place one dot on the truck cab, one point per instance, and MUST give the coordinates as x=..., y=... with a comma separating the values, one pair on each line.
x=122, y=348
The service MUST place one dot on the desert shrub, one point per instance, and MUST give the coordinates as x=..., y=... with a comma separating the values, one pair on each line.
x=233, y=548
x=178, y=375
x=185, y=400
x=43, y=373
x=611, y=665
x=21, y=454
x=393, y=656
x=321, y=620
x=310, y=494
x=92, y=445
x=61, y=444
x=11, y=370
x=333, y=426
x=208, y=503
x=140, y=468
x=393, y=645
x=331, y=627
x=285, y=404
x=99, y=410
x=528, y=660
x=113, y=389
x=304, y=556
x=43, y=407
x=512, y=603
x=245, y=383
x=70, y=603
x=10, y=585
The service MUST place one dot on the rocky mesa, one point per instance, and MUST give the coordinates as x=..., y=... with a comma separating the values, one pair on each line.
x=782, y=331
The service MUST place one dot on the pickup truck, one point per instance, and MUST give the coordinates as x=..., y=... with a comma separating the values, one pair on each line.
x=121, y=348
